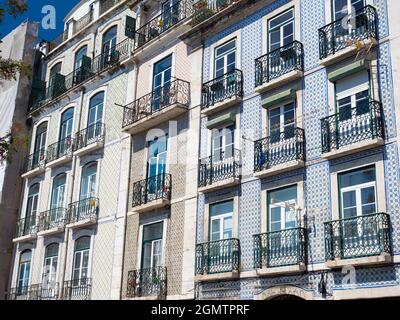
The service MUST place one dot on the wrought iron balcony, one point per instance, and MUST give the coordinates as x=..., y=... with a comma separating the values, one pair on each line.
x=279, y=62
x=280, y=248
x=77, y=289
x=92, y=134
x=356, y=237
x=175, y=92
x=112, y=56
x=204, y=9
x=151, y=189
x=163, y=22
x=222, y=88
x=26, y=226
x=218, y=257
x=147, y=282
x=53, y=218
x=341, y=34
x=279, y=149
x=361, y=123
x=32, y=292
x=106, y=5
x=59, y=149
x=81, y=23
x=35, y=160
x=214, y=169
x=85, y=209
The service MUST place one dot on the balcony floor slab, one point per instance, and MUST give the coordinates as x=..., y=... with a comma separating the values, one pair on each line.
x=219, y=106
x=60, y=161
x=297, y=268
x=291, y=165
x=152, y=205
x=220, y=185
x=217, y=276
x=28, y=237
x=90, y=148
x=51, y=231
x=82, y=223
x=280, y=81
x=353, y=148
x=384, y=258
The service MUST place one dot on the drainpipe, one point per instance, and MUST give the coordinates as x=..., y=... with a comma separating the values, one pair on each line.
x=71, y=190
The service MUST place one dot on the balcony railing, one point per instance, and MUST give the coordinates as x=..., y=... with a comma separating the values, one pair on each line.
x=279, y=149
x=77, y=289
x=59, y=149
x=219, y=89
x=151, y=189
x=362, y=236
x=106, y=5
x=32, y=292
x=279, y=62
x=218, y=256
x=204, y=9
x=280, y=248
x=364, y=122
x=26, y=226
x=53, y=218
x=218, y=168
x=147, y=282
x=35, y=160
x=83, y=22
x=92, y=134
x=112, y=56
x=163, y=22
x=83, y=209
x=346, y=32
x=175, y=92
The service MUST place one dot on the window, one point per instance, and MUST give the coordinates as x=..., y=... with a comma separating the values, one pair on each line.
x=109, y=40
x=49, y=276
x=281, y=30
x=342, y=8
x=152, y=245
x=33, y=200
x=24, y=272
x=281, y=209
x=358, y=192
x=88, y=181
x=40, y=143
x=282, y=119
x=157, y=160
x=65, y=142
x=56, y=69
x=353, y=93
x=225, y=58
x=58, y=191
x=161, y=82
x=79, y=57
x=80, y=270
x=221, y=220
x=95, y=116
x=223, y=143
x=170, y=13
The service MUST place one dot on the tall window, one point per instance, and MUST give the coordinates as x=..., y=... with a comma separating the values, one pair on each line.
x=221, y=220
x=358, y=192
x=24, y=272
x=281, y=209
x=58, y=191
x=281, y=30
x=161, y=82
x=32, y=201
x=95, y=116
x=223, y=143
x=65, y=142
x=88, y=181
x=225, y=58
x=109, y=41
x=157, y=161
x=40, y=142
x=79, y=56
x=152, y=245
x=49, y=277
x=170, y=13
x=342, y=8
x=80, y=270
x=56, y=69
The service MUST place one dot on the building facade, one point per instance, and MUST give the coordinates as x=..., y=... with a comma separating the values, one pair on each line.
x=214, y=150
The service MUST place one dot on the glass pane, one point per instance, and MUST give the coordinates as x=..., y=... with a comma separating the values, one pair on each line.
x=146, y=260
x=221, y=208
x=283, y=195
x=153, y=231
x=357, y=177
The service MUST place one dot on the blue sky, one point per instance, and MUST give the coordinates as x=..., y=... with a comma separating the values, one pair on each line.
x=34, y=13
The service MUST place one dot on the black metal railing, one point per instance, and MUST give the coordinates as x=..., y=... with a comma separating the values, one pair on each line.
x=280, y=248
x=281, y=148
x=81, y=23
x=175, y=92
x=204, y=9
x=352, y=125
x=49, y=291
x=147, y=282
x=112, y=56
x=217, y=168
x=32, y=292
x=92, y=134
x=83, y=209
x=106, y=5
x=362, y=236
x=218, y=256
x=77, y=289
x=59, y=149
x=279, y=62
x=26, y=226
x=345, y=32
x=53, y=218
x=219, y=89
x=35, y=160
x=151, y=189
x=163, y=22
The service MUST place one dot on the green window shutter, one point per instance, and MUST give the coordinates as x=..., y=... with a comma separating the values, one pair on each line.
x=348, y=70
x=225, y=119
x=279, y=97
x=86, y=62
x=130, y=27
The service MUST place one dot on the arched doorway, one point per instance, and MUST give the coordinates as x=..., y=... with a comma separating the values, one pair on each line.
x=286, y=297
x=285, y=292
